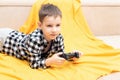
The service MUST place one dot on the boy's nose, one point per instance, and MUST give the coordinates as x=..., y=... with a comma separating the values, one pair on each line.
x=54, y=29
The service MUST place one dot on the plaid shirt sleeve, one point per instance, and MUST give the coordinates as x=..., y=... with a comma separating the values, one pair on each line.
x=35, y=54
x=60, y=43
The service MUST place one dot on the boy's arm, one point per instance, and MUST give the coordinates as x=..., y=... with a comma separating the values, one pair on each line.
x=61, y=43
x=36, y=62
x=60, y=49
x=34, y=52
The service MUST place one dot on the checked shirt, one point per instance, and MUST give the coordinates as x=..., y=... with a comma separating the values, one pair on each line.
x=31, y=47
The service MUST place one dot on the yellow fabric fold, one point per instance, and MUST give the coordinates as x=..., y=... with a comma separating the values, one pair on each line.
x=98, y=59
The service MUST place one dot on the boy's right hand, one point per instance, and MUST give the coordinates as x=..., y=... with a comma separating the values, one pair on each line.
x=55, y=60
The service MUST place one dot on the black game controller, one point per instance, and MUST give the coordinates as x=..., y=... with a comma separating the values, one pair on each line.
x=69, y=56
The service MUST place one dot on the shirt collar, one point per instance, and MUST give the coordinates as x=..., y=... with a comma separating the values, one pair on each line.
x=56, y=39
x=43, y=39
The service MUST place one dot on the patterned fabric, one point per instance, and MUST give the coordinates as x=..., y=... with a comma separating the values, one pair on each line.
x=32, y=47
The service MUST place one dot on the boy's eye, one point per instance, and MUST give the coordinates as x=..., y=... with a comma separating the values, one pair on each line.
x=49, y=25
x=58, y=25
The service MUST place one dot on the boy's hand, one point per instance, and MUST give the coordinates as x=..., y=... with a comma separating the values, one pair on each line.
x=80, y=54
x=55, y=60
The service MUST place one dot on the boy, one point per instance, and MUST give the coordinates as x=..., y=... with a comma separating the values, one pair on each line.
x=43, y=46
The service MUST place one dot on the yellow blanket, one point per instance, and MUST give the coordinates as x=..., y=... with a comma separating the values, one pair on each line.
x=98, y=59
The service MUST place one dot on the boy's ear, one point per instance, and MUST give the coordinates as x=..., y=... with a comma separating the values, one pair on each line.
x=39, y=24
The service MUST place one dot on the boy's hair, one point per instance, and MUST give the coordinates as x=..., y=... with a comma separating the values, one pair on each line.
x=49, y=10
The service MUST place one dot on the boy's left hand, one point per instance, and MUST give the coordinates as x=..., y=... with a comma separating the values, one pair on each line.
x=80, y=54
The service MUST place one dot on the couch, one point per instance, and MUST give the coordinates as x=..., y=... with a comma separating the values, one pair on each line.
x=102, y=17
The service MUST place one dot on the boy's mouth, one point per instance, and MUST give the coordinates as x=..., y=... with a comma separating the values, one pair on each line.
x=53, y=35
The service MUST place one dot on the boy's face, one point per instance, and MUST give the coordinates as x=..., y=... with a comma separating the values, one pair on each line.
x=50, y=27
